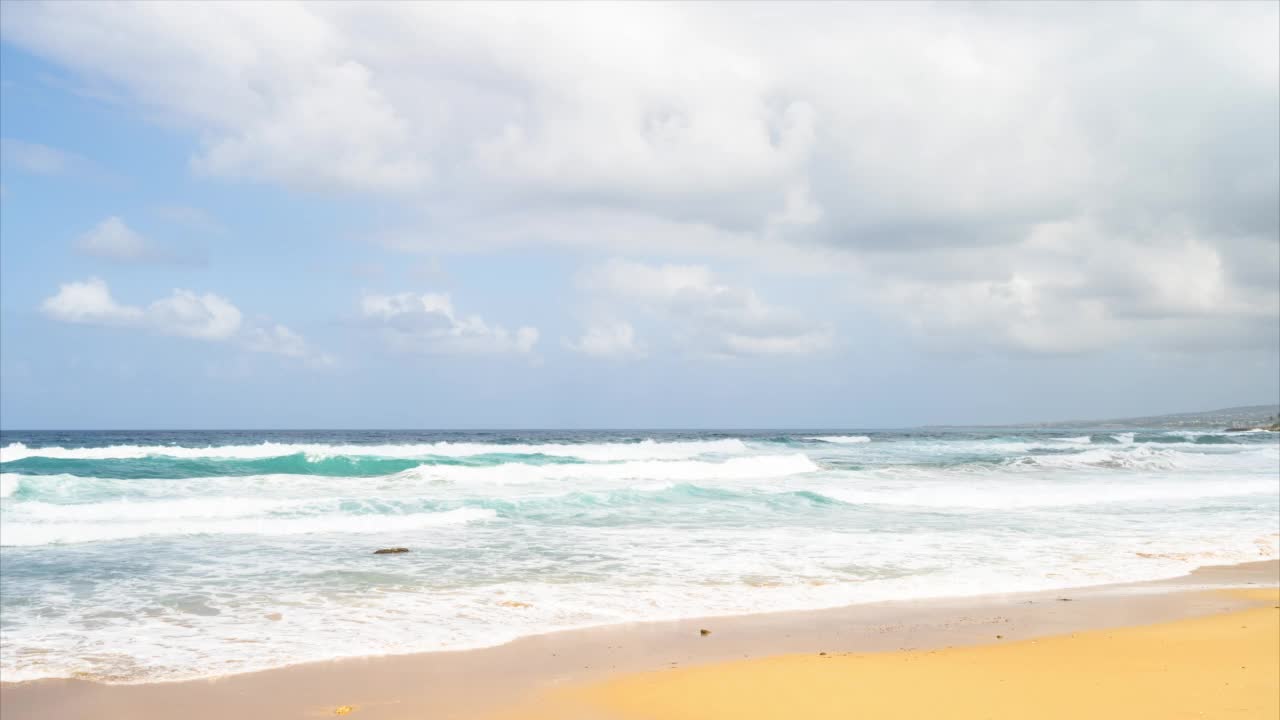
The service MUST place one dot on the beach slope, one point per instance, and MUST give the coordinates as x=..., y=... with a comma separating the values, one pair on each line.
x=1220, y=666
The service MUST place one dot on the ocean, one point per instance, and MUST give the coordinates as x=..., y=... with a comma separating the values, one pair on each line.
x=146, y=556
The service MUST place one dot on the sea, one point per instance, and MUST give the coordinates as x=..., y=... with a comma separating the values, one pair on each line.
x=131, y=557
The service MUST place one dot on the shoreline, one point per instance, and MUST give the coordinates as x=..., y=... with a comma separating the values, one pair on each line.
x=465, y=683
x=1146, y=585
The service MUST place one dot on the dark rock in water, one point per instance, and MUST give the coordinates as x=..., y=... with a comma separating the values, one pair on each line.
x=390, y=551
x=704, y=632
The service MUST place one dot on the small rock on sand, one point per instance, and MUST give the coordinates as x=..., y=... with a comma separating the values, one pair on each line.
x=704, y=632
x=343, y=710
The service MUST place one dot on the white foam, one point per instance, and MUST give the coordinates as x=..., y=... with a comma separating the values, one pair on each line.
x=416, y=482
x=255, y=621
x=740, y=468
x=597, y=452
x=9, y=484
x=842, y=439
x=193, y=508
x=1140, y=457
x=20, y=533
x=1009, y=495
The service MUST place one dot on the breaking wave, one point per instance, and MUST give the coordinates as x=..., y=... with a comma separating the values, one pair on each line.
x=593, y=452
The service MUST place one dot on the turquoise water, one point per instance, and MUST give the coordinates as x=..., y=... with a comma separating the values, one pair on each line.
x=130, y=557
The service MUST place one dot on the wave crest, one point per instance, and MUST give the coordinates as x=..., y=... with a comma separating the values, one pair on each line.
x=841, y=439
x=595, y=452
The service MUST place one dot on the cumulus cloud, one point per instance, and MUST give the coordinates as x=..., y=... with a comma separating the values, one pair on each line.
x=616, y=339
x=183, y=313
x=89, y=303
x=427, y=323
x=204, y=317
x=919, y=152
x=704, y=314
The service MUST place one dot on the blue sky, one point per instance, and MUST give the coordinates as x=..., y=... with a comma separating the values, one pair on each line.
x=445, y=216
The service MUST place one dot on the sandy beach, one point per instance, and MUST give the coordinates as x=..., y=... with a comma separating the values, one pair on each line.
x=1190, y=637
x=1220, y=666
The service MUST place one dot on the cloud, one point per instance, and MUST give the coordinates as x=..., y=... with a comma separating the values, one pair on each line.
x=193, y=218
x=204, y=317
x=617, y=339
x=277, y=339
x=113, y=240
x=917, y=152
x=183, y=313
x=1073, y=287
x=89, y=303
x=428, y=324
x=39, y=159
x=704, y=314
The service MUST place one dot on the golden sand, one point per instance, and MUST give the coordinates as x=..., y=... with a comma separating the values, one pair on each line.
x=1223, y=666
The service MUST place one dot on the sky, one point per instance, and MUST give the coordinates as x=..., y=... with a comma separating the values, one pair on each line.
x=332, y=215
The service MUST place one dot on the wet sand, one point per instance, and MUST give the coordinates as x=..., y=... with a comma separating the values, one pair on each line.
x=477, y=683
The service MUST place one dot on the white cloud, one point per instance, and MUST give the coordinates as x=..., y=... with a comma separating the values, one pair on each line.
x=277, y=339
x=39, y=159
x=1071, y=287
x=616, y=339
x=702, y=313
x=112, y=239
x=204, y=317
x=915, y=151
x=183, y=313
x=90, y=303
x=738, y=104
x=427, y=323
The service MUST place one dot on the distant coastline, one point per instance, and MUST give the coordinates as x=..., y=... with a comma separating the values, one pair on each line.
x=1232, y=419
